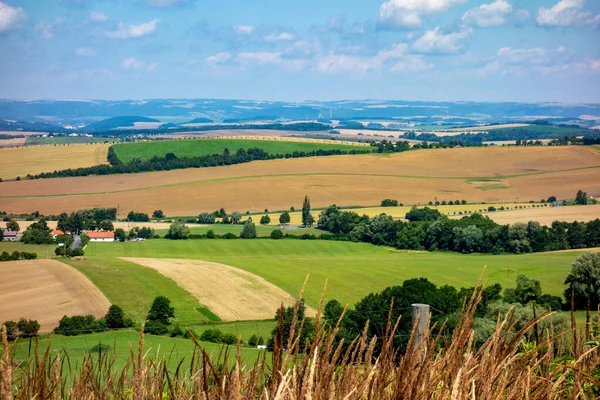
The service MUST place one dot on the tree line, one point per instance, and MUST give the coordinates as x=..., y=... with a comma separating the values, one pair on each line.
x=427, y=229
x=171, y=162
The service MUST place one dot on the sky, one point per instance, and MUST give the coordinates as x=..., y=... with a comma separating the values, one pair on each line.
x=432, y=50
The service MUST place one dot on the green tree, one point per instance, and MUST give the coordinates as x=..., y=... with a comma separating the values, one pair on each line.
x=206, y=218
x=584, y=281
x=37, y=233
x=527, y=290
x=236, y=217
x=28, y=328
x=307, y=218
x=249, y=230
x=13, y=225
x=158, y=214
x=177, y=231
x=12, y=330
x=581, y=198
x=276, y=234
x=265, y=220
x=284, y=218
x=120, y=235
x=106, y=225
x=115, y=318
x=161, y=310
x=1, y=235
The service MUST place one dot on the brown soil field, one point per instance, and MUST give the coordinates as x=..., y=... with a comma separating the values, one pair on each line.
x=475, y=174
x=12, y=142
x=46, y=290
x=20, y=161
x=230, y=293
x=547, y=215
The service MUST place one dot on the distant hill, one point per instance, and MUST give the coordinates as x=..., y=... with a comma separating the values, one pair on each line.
x=200, y=121
x=24, y=126
x=115, y=122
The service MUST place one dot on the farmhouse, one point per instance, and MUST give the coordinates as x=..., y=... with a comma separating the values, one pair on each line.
x=56, y=232
x=11, y=236
x=101, y=236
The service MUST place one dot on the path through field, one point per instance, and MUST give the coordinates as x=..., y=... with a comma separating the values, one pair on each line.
x=230, y=293
x=46, y=290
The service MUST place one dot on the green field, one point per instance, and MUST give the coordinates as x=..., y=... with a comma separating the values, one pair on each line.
x=173, y=349
x=353, y=270
x=203, y=147
x=37, y=141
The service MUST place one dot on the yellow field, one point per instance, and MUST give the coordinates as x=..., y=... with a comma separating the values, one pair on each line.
x=400, y=212
x=230, y=293
x=491, y=175
x=46, y=290
x=547, y=215
x=37, y=159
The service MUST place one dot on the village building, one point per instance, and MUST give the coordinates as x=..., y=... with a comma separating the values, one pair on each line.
x=101, y=236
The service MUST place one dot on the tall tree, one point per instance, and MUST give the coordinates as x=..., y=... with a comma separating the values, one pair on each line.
x=581, y=198
x=307, y=218
x=13, y=225
x=161, y=310
x=584, y=281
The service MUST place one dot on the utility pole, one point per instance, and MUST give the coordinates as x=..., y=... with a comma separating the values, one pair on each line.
x=420, y=317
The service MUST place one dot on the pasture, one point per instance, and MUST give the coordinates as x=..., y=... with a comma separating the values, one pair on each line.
x=204, y=147
x=353, y=270
x=20, y=161
x=491, y=175
x=230, y=293
x=46, y=290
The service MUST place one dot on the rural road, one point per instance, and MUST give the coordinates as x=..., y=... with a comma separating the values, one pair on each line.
x=76, y=242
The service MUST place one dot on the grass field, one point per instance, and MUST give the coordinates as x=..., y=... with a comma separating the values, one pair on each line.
x=174, y=349
x=202, y=147
x=38, y=141
x=286, y=264
x=36, y=159
x=492, y=175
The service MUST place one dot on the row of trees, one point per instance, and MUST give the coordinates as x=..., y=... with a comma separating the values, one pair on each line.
x=25, y=328
x=88, y=220
x=429, y=230
x=16, y=255
x=83, y=324
x=171, y=162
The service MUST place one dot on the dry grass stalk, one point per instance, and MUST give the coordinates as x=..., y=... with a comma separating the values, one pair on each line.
x=504, y=367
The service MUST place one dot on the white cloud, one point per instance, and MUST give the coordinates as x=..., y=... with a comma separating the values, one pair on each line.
x=435, y=42
x=133, y=64
x=218, y=58
x=409, y=13
x=397, y=55
x=565, y=13
x=47, y=30
x=279, y=37
x=486, y=15
x=10, y=17
x=133, y=31
x=243, y=29
x=595, y=65
x=85, y=51
x=270, y=58
x=97, y=16
x=533, y=56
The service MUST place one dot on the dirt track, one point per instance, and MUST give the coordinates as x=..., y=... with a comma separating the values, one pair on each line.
x=230, y=293
x=46, y=290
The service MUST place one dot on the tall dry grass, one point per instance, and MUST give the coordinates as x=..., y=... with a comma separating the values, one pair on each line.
x=505, y=367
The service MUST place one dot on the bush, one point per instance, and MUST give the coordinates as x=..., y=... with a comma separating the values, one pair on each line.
x=228, y=338
x=211, y=335
x=229, y=235
x=276, y=234
x=156, y=328
x=389, y=203
x=158, y=214
x=76, y=252
x=491, y=208
x=79, y=325
x=177, y=331
x=249, y=230
x=100, y=348
x=253, y=341
x=210, y=234
x=206, y=218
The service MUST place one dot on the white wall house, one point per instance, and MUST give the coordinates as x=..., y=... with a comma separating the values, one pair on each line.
x=101, y=236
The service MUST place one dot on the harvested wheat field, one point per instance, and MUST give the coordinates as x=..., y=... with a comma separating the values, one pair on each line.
x=12, y=142
x=474, y=174
x=230, y=293
x=547, y=215
x=46, y=290
x=20, y=161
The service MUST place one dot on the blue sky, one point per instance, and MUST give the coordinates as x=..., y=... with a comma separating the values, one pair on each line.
x=492, y=50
